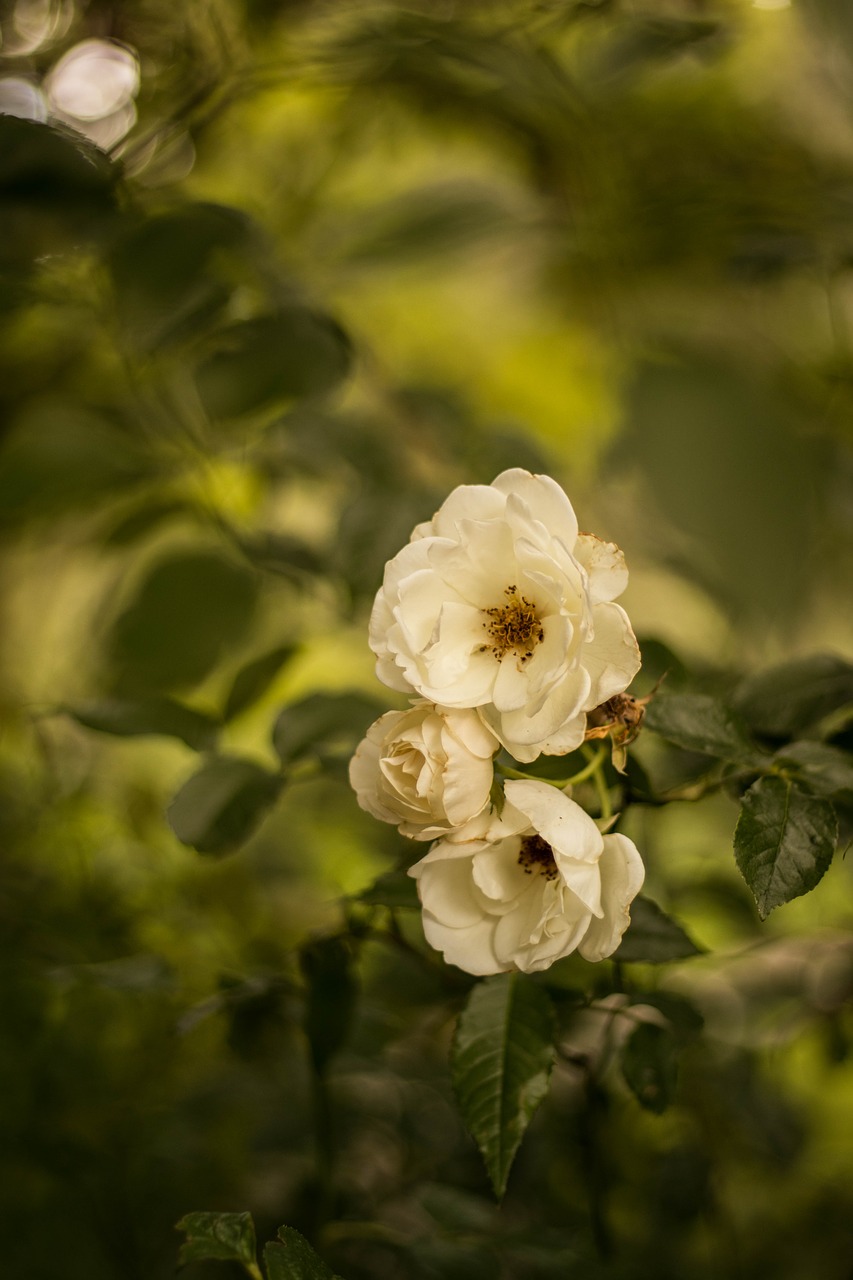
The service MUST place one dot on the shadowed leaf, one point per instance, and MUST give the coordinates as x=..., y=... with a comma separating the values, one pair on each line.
x=219, y=807
x=784, y=841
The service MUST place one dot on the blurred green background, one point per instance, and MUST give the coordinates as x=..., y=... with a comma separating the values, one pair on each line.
x=274, y=277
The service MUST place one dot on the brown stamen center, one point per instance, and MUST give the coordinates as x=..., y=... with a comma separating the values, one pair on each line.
x=537, y=855
x=513, y=626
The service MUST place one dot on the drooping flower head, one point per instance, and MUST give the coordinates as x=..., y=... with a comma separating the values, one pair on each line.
x=499, y=603
x=522, y=902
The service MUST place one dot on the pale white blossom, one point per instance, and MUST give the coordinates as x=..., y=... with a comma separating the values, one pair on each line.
x=429, y=771
x=499, y=603
x=521, y=902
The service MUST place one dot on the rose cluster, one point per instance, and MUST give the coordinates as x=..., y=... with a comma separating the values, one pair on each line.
x=499, y=620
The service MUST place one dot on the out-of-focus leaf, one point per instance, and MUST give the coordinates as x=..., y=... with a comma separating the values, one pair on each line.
x=137, y=717
x=219, y=807
x=653, y=937
x=681, y=1013
x=502, y=1057
x=170, y=271
x=226, y=1237
x=58, y=456
x=698, y=722
x=252, y=680
x=189, y=608
x=294, y=1259
x=650, y=1066
x=654, y=39
x=283, y=555
x=788, y=699
x=373, y=527
x=323, y=725
x=826, y=770
x=784, y=841
x=331, y=992
x=392, y=889
x=294, y=352
x=143, y=519
x=432, y=220
x=54, y=187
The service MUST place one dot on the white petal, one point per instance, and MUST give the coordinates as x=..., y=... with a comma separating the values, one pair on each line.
x=564, y=824
x=545, y=499
x=605, y=567
x=622, y=875
x=468, y=502
x=446, y=890
x=497, y=873
x=471, y=949
x=612, y=657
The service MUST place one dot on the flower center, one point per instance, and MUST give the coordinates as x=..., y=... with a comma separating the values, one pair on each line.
x=537, y=855
x=513, y=626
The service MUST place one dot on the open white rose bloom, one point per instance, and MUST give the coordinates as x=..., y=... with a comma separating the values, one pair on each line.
x=499, y=604
x=527, y=900
x=427, y=770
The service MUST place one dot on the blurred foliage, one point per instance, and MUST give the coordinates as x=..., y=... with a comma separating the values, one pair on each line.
x=347, y=257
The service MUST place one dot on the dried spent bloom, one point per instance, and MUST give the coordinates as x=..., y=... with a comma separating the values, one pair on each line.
x=526, y=900
x=428, y=770
x=499, y=603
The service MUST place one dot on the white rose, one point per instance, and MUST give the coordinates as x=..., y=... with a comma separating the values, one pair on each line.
x=429, y=771
x=498, y=603
x=529, y=899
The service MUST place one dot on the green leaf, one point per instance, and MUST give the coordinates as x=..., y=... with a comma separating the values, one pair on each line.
x=190, y=607
x=138, y=717
x=391, y=889
x=172, y=272
x=54, y=187
x=787, y=700
x=219, y=807
x=323, y=724
x=502, y=1057
x=254, y=679
x=650, y=1066
x=226, y=1237
x=685, y=1019
x=294, y=1259
x=653, y=937
x=698, y=722
x=272, y=358
x=825, y=770
x=330, y=997
x=784, y=841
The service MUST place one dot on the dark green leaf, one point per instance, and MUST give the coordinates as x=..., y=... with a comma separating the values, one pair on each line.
x=171, y=272
x=294, y=1259
x=653, y=937
x=227, y=1237
x=502, y=1057
x=392, y=889
x=698, y=722
x=826, y=770
x=55, y=186
x=254, y=679
x=221, y=805
x=330, y=997
x=784, y=841
x=130, y=718
x=323, y=724
x=650, y=1066
x=789, y=699
x=681, y=1013
x=272, y=358
x=189, y=609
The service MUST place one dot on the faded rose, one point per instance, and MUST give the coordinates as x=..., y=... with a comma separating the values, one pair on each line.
x=529, y=899
x=428, y=770
x=499, y=603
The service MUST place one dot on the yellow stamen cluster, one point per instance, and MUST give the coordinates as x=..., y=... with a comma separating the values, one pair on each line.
x=513, y=627
x=537, y=855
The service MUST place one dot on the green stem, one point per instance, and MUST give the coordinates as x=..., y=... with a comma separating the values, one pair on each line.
x=603, y=795
x=581, y=776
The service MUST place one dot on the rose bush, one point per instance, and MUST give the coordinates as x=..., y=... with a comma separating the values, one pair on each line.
x=428, y=770
x=499, y=603
x=527, y=900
